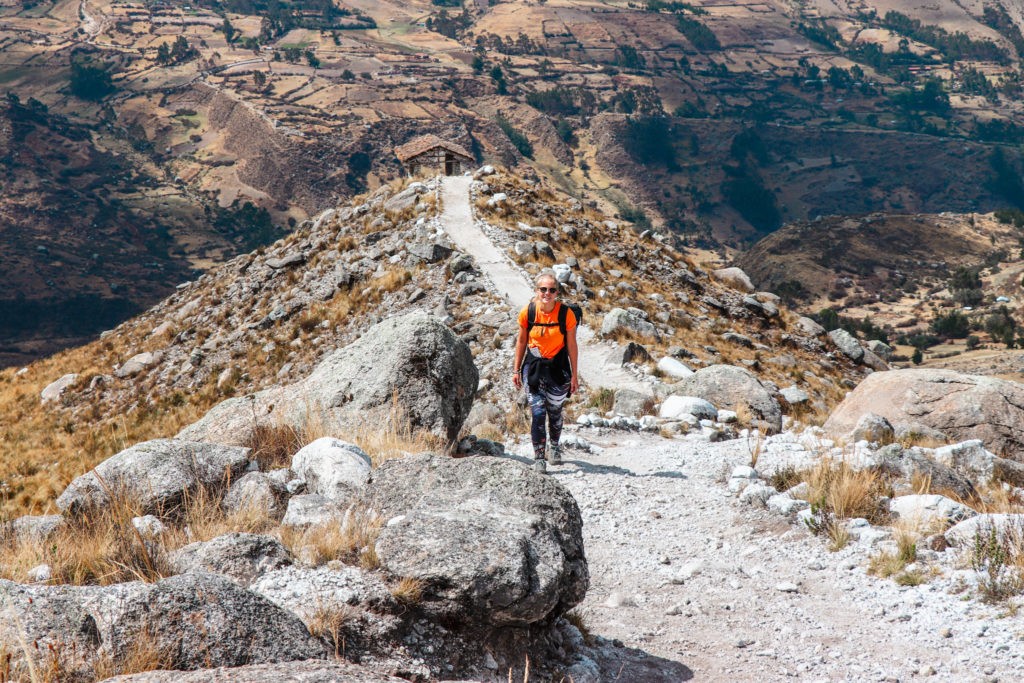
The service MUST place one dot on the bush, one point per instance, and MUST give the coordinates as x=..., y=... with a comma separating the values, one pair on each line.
x=648, y=140
x=515, y=136
x=954, y=325
x=90, y=82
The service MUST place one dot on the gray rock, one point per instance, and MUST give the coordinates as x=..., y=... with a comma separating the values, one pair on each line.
x=411, y=368
x=332, y=468
x=523, y=248
x=674, y=368
x=674, y=407
x=930, y=509
x=257, y=491
x=809, y=327
x=136, y=364
x=149, y=526
x=1006, y=526
x=735, y=278
x=631, y=403
x=728, y=386
x=293, y=259
x=957, y=406
x=880, y=349
x=238, y=556
x=621, y=319
x=911, y=462
x=54, y=390
x=208, y=621
x=870, y=360
x=493, y=541
x=794, y=395
x=311, y=510
x=430, y=252
x=968, y=458
x=302, y=591
x=31, y=528
x=406, y=199
x=157, y=474
x=873, y=428
x=847, y=344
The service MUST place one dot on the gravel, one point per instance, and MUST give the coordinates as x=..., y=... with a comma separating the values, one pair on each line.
x=684, y=571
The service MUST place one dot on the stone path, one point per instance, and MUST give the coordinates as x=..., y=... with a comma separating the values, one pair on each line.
x=596, y=368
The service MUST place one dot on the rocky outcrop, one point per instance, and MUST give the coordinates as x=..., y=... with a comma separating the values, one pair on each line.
x=410, y=367
x=300, y=672
x=727, y=386
x=238, y=556
x=332, y=468
x=957, y=406
x=156, y=473
x=492, y=541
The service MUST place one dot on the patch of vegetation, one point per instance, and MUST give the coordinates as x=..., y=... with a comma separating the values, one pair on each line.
x=699, y=35
x=648, y=139
x=177, y=53
x=1007, y=181
x=515, y=136
x=993, y=556
x=248, y=224
x=996, y=16
x=954, y=325
x=821, y=33
x=91, y=80
x=863, y=327
x=562, y=101
x=747, y=193
x=953, y=46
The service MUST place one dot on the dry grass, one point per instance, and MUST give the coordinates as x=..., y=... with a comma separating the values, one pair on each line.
x=578, y=618
x=144, y=654
x=350, y=542
x=329, y=620
x=408, y=591
x=274, y=445
x=847, y=492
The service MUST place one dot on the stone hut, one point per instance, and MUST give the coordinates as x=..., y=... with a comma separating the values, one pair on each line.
x=431, y=154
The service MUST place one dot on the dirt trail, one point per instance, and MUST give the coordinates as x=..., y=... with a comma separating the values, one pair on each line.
x=597, y=369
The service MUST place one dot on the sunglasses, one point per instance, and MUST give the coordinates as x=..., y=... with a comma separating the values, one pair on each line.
x=548, y=290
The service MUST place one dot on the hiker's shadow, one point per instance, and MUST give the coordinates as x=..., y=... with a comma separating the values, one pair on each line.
x=638, y=666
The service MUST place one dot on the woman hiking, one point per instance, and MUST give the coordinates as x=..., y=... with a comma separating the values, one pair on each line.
x=546, y=362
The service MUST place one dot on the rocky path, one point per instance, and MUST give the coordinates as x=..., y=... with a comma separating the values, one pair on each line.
x=682, y=570
x=596, y=368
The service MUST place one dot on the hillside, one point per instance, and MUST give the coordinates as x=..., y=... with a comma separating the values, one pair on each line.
x=189, y=134
x=267, y=317
x=928, y=281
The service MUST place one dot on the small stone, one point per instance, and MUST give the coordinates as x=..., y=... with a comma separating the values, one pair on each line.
x=743, y=642
x=616, y=600
x=946, y=632
x=786, y=587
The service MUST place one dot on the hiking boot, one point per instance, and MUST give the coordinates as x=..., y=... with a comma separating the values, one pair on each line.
x=556, y=455
x=539, y=465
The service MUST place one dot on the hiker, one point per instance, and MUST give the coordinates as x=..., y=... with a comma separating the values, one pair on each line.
x=546, y=362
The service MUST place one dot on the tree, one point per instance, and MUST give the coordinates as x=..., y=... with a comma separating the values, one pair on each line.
x=228, y=30
x=347, y=75
x=163, y=54
x=90, y=82
x=478, y=64
x=259, y=78
x=312, y=59
x=917, y=357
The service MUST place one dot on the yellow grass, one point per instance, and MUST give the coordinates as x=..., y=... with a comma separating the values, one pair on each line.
x=350, y=541
x=329, y=619
x=845, y=491
x=408, y=591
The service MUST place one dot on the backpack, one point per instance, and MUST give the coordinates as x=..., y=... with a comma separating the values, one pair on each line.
x=563, y=316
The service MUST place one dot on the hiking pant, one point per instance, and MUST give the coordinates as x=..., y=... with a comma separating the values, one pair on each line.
x=545, y=406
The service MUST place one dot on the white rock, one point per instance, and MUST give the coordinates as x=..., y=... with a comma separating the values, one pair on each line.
x=930, y=509
x=54, y=390
x=40, y=573
x=562, y=272
x=674, y=368
x=968, y=458
x=332, y=468
x=616, y=600
x=757, y=494
x=675, y=407
x=785, y=505
x=149, y=526
x=786, y=587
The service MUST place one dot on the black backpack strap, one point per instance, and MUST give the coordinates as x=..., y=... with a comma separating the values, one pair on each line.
x=531, y=317
x=563, y=314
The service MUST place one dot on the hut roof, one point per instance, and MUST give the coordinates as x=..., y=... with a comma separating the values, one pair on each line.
x=418, y=146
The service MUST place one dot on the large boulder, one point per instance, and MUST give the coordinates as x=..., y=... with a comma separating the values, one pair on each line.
x=157, y=474
x=735, y=278
x=47, y=617
x=917, y=462
x=408, y=368
x=620, y=319
x=204, y=621
x=239, y=556
x=332, y=468
x=959, y=407
x=730, y=387
x=492, y=541
x=303, y=591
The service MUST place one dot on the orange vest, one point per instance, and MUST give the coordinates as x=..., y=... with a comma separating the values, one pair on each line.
x=545, y=335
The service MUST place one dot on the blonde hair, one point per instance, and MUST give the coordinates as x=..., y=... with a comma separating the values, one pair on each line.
x=544, y=275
